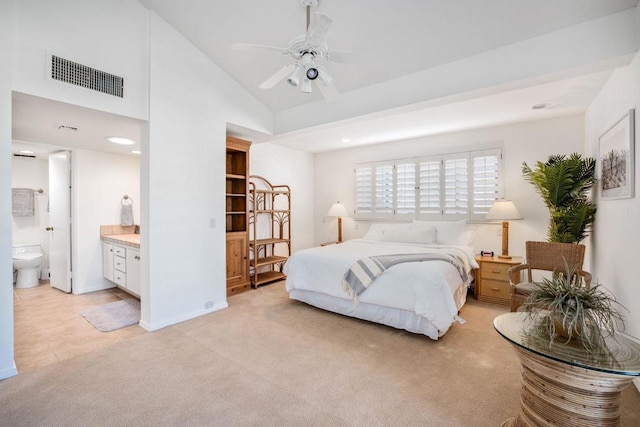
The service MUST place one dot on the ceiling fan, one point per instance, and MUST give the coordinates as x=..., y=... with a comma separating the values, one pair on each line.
x=306, y=50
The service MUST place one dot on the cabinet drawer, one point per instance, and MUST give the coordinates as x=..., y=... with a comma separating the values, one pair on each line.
x=120, y=278
x=496, y=289
x=491, y=270
x=119, y=251
x=120, y=264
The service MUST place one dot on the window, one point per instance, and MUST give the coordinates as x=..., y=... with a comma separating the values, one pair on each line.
x=452, y=186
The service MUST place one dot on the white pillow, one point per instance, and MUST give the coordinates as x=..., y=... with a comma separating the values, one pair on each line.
x=424, y=236
x=447, y=232
x=376, y=230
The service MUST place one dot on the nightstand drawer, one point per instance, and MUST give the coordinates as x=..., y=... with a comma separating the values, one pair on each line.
x=492, y=270
x=495, y=289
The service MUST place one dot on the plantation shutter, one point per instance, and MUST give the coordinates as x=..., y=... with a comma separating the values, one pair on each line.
x=456, y=187
x=486, y=181
x=429, y=200
x=383, y=191
x=406, y=189
x=364, y=191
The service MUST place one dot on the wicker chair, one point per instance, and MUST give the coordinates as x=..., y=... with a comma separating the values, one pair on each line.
x=545, y=256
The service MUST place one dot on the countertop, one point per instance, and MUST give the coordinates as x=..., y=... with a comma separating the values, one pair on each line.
x=131, y=239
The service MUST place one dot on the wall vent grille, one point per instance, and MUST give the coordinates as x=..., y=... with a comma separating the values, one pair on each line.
x=29, y=156
x=80, y=75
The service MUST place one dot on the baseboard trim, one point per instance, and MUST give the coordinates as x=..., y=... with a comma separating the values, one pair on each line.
x=10, y=372
x=150, y=327
x=91, y=289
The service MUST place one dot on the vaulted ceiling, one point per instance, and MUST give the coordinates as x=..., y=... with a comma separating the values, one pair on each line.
x=429, y=65
x=424, y=66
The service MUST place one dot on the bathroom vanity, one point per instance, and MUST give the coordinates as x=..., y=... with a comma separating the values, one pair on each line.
x=121, y=258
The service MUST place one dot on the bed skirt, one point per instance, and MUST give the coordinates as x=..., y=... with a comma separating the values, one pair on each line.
x=389, y=316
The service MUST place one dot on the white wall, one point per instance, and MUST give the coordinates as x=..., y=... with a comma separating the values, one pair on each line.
x=524, y=142
x=32, y=173
x=100, y=180
x=183, y=170
x=188, y=101
x=7, y=365
x=110, y=36
x=617, y=229
x=281, y=165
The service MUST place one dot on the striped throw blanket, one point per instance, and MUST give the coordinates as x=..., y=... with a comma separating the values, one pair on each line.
x=363, y=273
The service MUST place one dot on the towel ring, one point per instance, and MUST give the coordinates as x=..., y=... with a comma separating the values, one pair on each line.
x=126, y=200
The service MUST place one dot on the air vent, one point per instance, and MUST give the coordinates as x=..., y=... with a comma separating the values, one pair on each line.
x=30, y=156
x=80, y=75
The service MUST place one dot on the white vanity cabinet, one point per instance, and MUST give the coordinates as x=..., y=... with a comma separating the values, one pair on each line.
x=107, y=261
x=121, y=265
x=133, y=271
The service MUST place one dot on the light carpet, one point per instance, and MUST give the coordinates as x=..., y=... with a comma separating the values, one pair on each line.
x=114, y=315
x=271, y=361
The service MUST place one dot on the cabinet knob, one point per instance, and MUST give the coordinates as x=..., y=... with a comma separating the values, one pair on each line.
x=49, y=228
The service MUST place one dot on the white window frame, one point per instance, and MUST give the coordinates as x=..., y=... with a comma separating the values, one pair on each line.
x=474, y=188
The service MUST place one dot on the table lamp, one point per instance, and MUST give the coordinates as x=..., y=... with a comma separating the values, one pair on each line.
x=504, y=210
x=338, y=210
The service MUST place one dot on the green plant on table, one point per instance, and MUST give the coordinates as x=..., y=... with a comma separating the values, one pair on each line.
x=575, y=312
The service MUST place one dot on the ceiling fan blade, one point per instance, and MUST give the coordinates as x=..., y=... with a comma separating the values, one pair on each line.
x=329, y=92
x=318, y=29
x=277, y=76
x=248, y=47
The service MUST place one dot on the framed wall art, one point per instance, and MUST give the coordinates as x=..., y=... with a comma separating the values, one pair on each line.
x=617, y=159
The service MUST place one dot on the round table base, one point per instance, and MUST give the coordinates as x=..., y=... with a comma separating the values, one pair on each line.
x=560, y=394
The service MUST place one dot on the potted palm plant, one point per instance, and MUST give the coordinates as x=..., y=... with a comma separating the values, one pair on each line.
x=564, y=182
x=573, y=311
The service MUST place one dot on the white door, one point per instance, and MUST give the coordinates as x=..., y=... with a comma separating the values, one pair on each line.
x=60, y=220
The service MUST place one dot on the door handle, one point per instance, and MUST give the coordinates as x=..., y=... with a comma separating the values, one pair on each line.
x=49, y=228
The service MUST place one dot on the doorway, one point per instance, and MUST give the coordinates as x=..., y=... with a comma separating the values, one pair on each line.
x=47, y=324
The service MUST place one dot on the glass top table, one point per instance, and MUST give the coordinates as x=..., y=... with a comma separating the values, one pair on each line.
x=619, y=355
x=562, y=383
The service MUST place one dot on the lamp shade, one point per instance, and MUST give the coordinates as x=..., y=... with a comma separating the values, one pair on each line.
x=503, y=210
x=338, y=210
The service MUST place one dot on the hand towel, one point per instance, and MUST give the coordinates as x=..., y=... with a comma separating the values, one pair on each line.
x=126, y=212
x=22, y=202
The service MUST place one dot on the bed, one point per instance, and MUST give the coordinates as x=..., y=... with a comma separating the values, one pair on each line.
x=421, y=297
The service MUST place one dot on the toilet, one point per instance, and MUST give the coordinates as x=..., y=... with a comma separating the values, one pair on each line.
x=27, y=260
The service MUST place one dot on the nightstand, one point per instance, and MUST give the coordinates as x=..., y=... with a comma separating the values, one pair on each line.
x=492, y=279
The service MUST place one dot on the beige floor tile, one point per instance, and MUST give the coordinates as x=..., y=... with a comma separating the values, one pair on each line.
x=49, y=328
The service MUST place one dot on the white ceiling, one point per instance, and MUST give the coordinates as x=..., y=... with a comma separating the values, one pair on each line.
x=399, y=38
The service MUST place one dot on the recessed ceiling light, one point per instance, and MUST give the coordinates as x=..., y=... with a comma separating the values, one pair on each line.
x=26, y=152
x=541, y=106
x=135, y=151
x=346, y=140
x=120, y=140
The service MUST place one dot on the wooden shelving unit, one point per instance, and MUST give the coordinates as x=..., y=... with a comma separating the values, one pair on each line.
x=237, y=215
x=270, y=230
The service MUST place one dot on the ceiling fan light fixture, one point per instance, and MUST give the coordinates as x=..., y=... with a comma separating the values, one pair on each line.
x=294, y=79
x=312, y=73
x=306, y=86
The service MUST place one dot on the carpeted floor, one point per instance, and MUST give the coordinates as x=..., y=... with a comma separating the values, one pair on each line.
x=267, y=360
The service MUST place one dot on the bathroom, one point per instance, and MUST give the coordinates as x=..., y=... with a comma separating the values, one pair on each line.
x=99, y=182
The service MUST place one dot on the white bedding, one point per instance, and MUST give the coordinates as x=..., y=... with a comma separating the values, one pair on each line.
x=431, y=291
